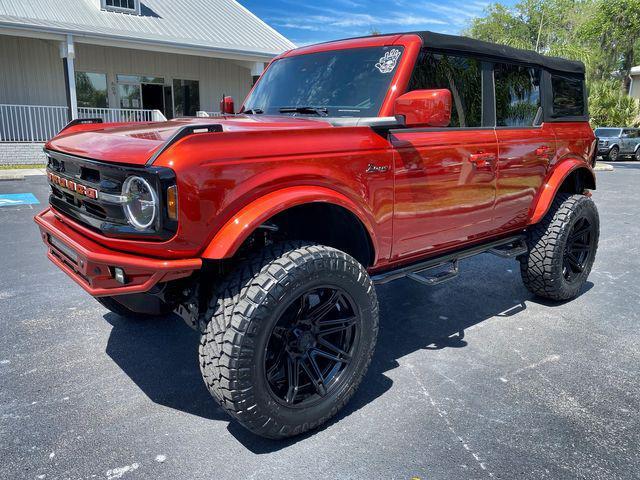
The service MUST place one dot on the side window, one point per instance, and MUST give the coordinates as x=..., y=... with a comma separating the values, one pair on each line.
x=568, y=96
x=517, y=95
x=461, y=75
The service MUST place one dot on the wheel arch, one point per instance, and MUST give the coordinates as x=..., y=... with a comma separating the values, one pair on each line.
x=302, y=207
x=570, y=176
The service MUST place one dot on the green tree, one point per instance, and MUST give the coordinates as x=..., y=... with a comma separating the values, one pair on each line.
x=614, y=29
x=611, y=106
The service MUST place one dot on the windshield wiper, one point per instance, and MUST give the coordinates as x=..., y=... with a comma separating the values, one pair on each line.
x=321, y=111
x=253, y=111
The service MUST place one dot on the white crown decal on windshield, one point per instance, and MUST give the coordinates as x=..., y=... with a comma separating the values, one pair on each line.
x=388, y=63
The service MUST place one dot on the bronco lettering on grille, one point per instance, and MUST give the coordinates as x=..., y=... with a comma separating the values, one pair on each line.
x=72, y=185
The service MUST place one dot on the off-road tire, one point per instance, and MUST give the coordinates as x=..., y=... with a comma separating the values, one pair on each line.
x=613, y=155
x=542, y=268
x=242, y=315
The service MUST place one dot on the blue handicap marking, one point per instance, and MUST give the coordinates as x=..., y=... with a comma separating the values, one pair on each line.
x=13, y=199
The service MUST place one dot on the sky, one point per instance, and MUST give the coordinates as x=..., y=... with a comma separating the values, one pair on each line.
x=307, y=22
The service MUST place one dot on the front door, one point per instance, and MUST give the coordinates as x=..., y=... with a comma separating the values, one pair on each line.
x=445, y=184
x=445, y=179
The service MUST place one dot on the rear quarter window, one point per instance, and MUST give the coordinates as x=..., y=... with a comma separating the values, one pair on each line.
x=568, y=96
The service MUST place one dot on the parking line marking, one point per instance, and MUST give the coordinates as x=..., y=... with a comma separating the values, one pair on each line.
x=14, y=199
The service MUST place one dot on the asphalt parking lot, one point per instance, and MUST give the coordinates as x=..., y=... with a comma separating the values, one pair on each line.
x=471, y=379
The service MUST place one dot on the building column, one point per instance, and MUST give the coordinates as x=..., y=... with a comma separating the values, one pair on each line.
x=256, y=70
x=68, y=54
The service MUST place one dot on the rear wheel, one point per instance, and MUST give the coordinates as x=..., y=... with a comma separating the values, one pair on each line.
x=562, y=248
x=289, y=338
x=614, y=154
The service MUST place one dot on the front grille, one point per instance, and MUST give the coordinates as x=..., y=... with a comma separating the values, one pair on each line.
x=104, y=217
x=102, y=177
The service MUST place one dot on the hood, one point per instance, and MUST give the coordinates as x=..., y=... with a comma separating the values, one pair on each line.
x=136, y=143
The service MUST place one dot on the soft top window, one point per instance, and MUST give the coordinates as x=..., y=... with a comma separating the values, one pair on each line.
x=568, y=96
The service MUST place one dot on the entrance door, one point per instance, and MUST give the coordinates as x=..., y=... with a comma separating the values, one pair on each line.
x=168, y=102
x=153, y=97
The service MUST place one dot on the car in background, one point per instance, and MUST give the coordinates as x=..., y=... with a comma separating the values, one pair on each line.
x=614, y=143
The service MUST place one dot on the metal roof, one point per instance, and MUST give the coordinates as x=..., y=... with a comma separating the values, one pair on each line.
x=222, y=25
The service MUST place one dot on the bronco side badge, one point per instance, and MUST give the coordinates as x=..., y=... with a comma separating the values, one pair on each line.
x=388, y=63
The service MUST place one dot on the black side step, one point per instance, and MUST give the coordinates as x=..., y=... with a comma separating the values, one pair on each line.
x=511, y=250
x=437, y=278
x=510, y=247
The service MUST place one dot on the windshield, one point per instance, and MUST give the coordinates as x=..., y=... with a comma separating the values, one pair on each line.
x=607, y=132
x=339, y=83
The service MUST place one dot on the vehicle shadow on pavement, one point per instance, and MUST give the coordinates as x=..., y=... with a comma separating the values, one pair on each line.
x=160, y=356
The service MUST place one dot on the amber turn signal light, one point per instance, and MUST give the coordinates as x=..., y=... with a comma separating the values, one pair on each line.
x=172, y=202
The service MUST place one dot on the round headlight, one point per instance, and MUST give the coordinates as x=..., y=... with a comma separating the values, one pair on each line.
x=141, y=207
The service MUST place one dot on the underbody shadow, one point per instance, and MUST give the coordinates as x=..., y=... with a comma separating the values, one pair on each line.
x=160, y=356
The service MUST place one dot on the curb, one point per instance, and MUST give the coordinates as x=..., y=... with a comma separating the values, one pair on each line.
x=603, y=167
x=20, y=173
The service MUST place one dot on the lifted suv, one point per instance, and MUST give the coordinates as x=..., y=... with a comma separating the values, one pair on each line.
x=350, y=163
x=614, y=143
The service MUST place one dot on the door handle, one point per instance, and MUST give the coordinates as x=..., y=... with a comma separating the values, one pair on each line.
x=543, y=151
x=482, y=159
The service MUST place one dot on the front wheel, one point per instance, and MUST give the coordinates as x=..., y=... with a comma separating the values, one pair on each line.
x=289, y=338
x=613, y=154
x=636, y=156
x=562, y=248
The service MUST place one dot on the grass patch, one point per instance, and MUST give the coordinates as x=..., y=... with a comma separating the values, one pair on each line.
x=22, y=166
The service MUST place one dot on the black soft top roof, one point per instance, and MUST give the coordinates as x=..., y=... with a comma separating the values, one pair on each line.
x=454, y=43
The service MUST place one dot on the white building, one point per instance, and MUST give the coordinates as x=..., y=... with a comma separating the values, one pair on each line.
x=634, y=91
x=123, y=60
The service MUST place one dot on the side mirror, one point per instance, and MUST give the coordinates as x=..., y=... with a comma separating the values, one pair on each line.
x=227, y=107
x=426, y=108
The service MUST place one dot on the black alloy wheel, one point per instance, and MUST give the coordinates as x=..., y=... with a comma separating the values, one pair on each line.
x=290, y=334
x=577, y=251
x=311, y=346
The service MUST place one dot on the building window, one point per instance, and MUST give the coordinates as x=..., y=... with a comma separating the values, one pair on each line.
x=461, y=75
x=517, y=95
x=127, y=6
x=186, y=94
x=91, y=89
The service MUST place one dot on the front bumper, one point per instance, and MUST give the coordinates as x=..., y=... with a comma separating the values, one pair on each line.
x=91, y=265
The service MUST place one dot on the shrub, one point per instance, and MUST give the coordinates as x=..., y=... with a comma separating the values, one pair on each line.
x=610, y=106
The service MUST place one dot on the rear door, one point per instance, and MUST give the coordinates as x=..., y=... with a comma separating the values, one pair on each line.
x=445, y=179
x=526, y=145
